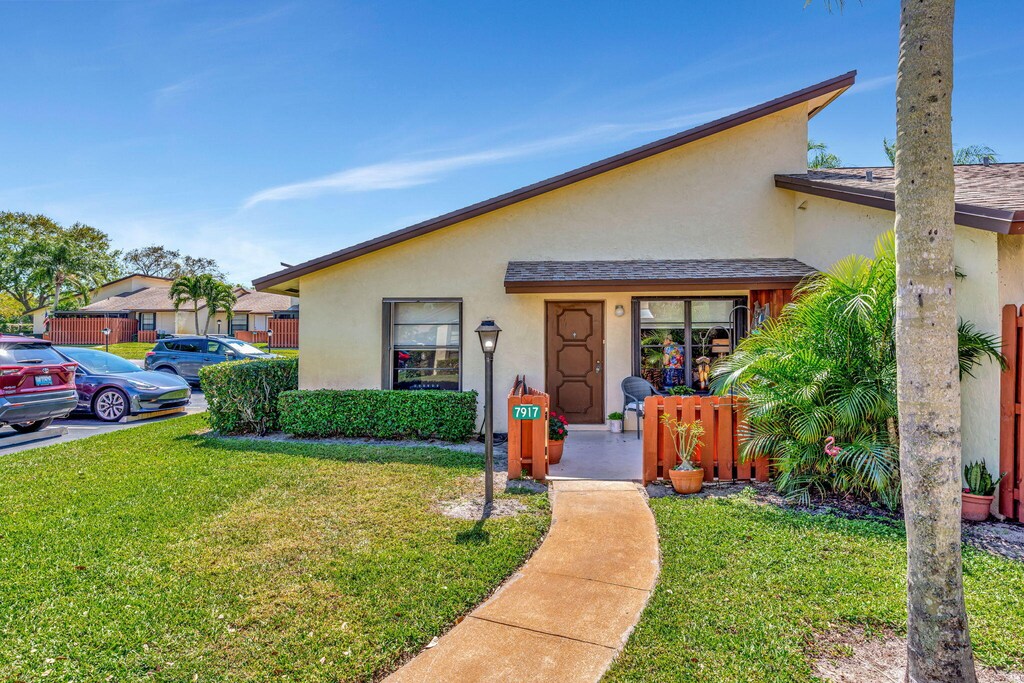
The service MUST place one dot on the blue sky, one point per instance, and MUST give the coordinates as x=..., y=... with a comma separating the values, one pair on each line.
x=259, y=132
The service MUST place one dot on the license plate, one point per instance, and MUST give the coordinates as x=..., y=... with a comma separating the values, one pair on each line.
x=44, y=381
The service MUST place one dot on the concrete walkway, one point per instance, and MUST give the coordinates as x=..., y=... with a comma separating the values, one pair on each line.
x=600, y=454
x=566, y=614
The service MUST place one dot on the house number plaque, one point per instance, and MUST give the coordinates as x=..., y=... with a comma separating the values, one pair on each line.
x=525, y=412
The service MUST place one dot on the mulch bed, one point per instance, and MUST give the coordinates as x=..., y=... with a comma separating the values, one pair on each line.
x=999, y=538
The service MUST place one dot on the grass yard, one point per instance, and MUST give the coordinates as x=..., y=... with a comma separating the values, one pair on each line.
x=169, y=555
x=744, y=588
x=129, y=350
x=284, y=353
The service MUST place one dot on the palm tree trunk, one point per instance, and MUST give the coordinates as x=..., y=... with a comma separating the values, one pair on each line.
x=928, y=387
x=195, y=310
x=58, y=284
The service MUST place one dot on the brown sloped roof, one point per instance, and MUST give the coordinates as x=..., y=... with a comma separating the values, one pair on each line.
x=987, y=197
x=652, y=274
x=260, y=302
x=145, y=299
x=828, y=90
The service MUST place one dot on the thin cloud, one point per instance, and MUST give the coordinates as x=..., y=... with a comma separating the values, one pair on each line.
x=393, y=175
x=174, y=91
x=870, y=84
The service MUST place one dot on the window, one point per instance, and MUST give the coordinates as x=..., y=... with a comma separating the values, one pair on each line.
x=422, y=344
x=677, y=339
x=29, y=353
x=147, y=321
x=239, y=322
x=184, y=346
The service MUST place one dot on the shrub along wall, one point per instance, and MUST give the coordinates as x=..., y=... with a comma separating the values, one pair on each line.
x=242, y=395
x=448, y=415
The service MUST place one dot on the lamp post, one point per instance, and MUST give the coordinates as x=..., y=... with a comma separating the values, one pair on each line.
x=106, y=338
x=488, y=333
x=270, y=339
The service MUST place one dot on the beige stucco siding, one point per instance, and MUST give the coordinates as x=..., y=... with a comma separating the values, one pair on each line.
x=1011, y=270
x=827, y=230
x=714, y=198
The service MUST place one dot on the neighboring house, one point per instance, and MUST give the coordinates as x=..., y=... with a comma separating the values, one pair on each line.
x=143, y=303
x=252, y=314
x=694, y=237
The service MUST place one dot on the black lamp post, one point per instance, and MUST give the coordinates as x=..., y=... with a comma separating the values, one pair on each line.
x=106, y=338
x=270, y=339
x=488, y=333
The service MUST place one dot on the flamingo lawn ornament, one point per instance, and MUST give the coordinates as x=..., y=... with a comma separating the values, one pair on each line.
x=831, y=449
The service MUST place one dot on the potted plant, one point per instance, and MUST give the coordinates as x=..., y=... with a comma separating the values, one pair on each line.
x=687, y=477
x=978, y=493
x=557, y=431
x=615, y=423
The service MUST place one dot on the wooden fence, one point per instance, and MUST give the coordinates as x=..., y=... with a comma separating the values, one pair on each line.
x=90, y=330
x=528, y=439
x=718, y=452
x=254, y=336
x=286, y=332
x=1011, y=422
x=147, y=336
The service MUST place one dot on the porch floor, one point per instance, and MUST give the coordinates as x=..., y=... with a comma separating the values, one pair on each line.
x=594, y=454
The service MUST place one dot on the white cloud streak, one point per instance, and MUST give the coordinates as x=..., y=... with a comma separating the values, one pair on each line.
x=393, y=175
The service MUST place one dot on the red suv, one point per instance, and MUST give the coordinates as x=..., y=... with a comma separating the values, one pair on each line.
x=36, y=384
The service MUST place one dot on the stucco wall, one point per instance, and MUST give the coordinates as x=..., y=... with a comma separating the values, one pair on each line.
x=714, y=198
x=826, y=230
x=1011, y=270
x=127, y=285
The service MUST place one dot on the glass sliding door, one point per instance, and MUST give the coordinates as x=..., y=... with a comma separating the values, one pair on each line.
x=677, y=339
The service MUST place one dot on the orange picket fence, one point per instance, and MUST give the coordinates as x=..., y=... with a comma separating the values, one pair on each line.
x=1011, y=420
x=253, y=336
x=90, y=330
x=286, y=332
x=718, y=452
x=527, y=439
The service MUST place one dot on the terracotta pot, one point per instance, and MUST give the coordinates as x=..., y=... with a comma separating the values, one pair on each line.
x=686, y=481
x=975, y=508
x=555, y=451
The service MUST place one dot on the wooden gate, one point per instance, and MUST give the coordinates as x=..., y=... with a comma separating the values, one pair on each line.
x=90, y=330
x=1011, y=423
x=718, y=452
x=528, y=439
x=286, y=332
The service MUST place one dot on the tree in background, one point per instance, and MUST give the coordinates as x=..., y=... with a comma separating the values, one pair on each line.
x=160, y=261
x=191, y=289
x=971, y=154
x=219, y=297
x=818, y=156
x=927, y=390
x=37, y=252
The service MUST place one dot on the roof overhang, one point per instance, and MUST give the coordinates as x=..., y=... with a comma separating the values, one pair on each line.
x=995, y=220
x=691, y=275
x=816, y=97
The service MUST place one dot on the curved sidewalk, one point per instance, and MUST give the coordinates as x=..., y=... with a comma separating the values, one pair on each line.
x=566, y=614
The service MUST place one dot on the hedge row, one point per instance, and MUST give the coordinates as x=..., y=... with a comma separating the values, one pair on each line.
x=242, y=395
x=447, y=415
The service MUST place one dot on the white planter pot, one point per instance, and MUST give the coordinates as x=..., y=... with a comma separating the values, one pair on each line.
x=615, y=426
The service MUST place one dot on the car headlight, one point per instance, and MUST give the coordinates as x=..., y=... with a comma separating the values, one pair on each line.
x=139, y=384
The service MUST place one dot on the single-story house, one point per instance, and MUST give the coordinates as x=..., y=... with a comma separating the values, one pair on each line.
x=144, y=302
x=252, y=314
x=690, y=237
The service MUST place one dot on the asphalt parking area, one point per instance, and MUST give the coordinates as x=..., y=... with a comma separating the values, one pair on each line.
x=79, y=427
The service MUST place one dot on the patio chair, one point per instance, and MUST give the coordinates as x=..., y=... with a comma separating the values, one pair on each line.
x=634, y=391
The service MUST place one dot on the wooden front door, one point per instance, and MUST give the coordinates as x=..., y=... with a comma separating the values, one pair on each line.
x=574, y=358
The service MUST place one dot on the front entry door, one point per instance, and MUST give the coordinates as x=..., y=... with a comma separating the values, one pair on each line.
x=574, y=359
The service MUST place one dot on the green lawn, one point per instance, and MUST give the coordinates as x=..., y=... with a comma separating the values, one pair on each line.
x=285, y=353
x=130, y=350
x=169, y=555
x=744, y=588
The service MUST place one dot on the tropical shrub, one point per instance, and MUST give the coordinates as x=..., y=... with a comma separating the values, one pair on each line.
x=379, y=414
x=242, y=395
x=826, y=367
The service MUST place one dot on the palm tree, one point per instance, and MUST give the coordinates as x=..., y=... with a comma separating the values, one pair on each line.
x=927, y=390
x=822, y=158
x=219, y=297
x=971, y=154
x=826, y=367
x=191, y=289
x=58, y=262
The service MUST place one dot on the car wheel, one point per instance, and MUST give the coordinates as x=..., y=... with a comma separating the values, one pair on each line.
x=29, y=427
x=166, y=368
x=110, y=405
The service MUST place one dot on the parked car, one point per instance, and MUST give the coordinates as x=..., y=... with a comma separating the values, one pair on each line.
x=185, y=356
x=111, y=388
x=36, y=384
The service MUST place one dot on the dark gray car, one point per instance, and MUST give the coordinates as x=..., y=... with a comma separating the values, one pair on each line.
x=185, y=356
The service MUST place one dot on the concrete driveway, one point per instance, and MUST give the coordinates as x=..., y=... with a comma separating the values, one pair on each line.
x=81, y=427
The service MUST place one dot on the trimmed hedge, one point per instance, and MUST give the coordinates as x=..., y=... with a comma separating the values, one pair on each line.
x=379, y=414
x=242, y=395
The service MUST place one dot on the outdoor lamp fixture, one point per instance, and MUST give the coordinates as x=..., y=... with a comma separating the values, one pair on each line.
x=218, y=326
x=270, y=339
x=620, y=311
x=106, y=338
x=488, y=332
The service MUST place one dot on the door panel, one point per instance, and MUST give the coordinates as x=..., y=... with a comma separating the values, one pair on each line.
x=574, y=358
